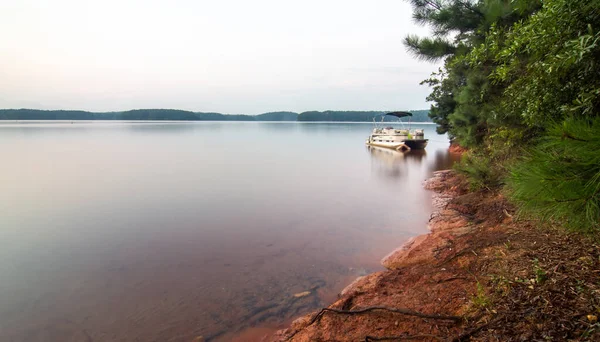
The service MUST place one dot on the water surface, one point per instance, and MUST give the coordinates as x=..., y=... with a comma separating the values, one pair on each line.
x=165, y=231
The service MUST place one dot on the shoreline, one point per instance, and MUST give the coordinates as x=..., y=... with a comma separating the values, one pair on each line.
x=444, y=225
x=407, y=250
x=481, y=273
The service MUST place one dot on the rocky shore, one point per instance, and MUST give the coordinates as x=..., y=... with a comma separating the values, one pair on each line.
x=478, y=275
x=415, y=282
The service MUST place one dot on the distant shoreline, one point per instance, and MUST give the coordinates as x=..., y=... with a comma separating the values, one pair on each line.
x=3, y=122
x=182, y=115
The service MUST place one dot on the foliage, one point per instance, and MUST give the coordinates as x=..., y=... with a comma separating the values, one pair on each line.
x=418, y=116
x=464, y=99
x=183, y=115
x=481, y=300
x=540, y=275
x=486, y=167
x=277, y=116
x=480, y=173
x=136, y=114
x=520, y=81
x=444, y=101
x=550, y=68
x=559, y=179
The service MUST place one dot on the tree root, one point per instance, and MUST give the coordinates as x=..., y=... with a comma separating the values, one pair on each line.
x=401, y=338
x=465, y=251
x=407, y=312
x=451, y=279
x=475, y=330
x=460, y=338
x=384, y=308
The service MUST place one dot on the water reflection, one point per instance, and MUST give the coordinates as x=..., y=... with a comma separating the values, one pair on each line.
x=337, y=128
x=392, y=164
x=443, y=160
x=387, y=162
x=167, y=128
x=278, y=127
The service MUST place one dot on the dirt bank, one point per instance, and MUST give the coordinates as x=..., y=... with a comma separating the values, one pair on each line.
x=479, y=275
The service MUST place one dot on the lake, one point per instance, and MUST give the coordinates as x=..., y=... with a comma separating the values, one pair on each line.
x=165, y=231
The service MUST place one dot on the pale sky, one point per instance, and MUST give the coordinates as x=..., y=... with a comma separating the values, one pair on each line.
x=229, y=56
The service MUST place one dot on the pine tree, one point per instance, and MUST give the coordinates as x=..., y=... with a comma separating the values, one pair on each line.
x=559, y=179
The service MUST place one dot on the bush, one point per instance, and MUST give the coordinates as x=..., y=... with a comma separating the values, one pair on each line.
x=480, y=172
x=559, y=178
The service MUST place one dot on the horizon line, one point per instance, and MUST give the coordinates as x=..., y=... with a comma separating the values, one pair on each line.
x=201, y=112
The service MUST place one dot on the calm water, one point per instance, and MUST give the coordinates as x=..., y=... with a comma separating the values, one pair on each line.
x=115, y=231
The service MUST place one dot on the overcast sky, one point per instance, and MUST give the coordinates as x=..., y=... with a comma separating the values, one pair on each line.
x=242, y=56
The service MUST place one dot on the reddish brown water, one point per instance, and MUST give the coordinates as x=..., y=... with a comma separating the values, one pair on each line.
x=169, y=231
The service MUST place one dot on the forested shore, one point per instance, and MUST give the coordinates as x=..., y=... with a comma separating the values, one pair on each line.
x=183, y=115
x=519, y=88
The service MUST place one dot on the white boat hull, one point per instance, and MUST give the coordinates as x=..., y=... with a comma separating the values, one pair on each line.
x=392, y=145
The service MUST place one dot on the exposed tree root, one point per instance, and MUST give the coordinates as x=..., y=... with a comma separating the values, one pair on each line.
x=451, y=279
x=403, y=338
x=384, y=308
x=462, y=337
x=469, y=333
x=407, y=312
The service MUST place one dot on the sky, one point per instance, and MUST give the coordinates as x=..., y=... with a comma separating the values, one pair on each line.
x=228, y=56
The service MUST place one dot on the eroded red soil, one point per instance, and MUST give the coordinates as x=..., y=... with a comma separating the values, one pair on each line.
x=479, y=275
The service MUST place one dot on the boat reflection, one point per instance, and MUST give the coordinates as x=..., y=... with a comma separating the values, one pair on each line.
x=392, y=164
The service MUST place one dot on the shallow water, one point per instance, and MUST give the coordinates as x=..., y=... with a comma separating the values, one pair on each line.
x=121, y=231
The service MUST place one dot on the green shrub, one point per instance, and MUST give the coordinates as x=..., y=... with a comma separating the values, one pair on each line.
x=480, y=172
x=559, y=178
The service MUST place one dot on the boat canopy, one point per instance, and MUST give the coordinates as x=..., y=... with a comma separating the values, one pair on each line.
x=399, y=114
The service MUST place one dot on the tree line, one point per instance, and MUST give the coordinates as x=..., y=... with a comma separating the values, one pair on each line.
x=183, y=115
x=357, y=116
x=520, y=88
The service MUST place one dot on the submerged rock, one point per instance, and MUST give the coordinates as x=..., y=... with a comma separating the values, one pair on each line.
x=302, y=294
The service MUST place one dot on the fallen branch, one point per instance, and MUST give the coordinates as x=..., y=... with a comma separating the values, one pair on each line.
x=451, y=279
x=384, y=308
x=475, y=330
x=400, y=338
x=456, y=255
x=469, y=249
x=376, y=308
